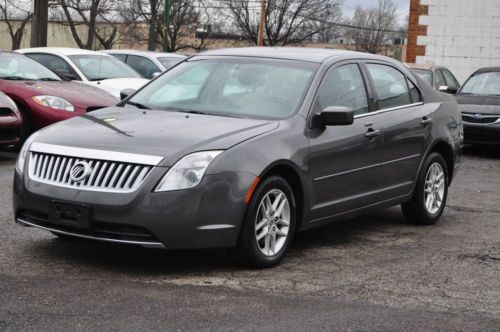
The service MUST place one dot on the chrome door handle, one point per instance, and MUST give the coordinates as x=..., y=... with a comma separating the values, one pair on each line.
x=426, y=121
x=372, y=133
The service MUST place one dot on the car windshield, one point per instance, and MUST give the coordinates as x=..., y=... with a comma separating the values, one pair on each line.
x=20, y=67
x=483, y=84
x=100, y=67
x=424, y=74
x=169, y=62
x=238, y=87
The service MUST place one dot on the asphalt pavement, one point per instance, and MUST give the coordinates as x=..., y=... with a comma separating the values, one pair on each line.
x=375, y=272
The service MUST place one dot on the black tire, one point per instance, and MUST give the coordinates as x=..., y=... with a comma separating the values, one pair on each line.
x=248, y=251
x=415, y=210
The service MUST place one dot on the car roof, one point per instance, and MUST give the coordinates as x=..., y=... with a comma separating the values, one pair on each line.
x=59, y=50
x=146, y=53
x=317, y=55
x=424, y=66
x=487, y=70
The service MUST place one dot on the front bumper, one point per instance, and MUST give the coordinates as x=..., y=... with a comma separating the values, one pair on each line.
x=482, y=133
x=207, y=216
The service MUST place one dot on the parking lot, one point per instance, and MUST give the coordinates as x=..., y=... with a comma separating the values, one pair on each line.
x=375, y=272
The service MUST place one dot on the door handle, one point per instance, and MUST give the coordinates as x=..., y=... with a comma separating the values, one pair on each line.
x=426, y=121
x=372, y=133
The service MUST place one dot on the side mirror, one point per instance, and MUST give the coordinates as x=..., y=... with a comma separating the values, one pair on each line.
x=156, y=74
x=125, y=93
x=448, y=89
x=65, y=74
x=337, y=116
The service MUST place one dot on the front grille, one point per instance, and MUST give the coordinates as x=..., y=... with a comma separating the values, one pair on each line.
x=482, y=119
x=104, y=175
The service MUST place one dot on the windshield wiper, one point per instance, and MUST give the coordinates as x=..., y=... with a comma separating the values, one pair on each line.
x=138, y=105
x=100, y=79
x=194, y=112
x=48, y=79
x=15, y=78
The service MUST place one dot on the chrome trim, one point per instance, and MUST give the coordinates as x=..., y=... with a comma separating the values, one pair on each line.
x=213, y=227
x=70, y=151
x=387, y=110
x=365, y=168
x=158, y=245
x=483, y=117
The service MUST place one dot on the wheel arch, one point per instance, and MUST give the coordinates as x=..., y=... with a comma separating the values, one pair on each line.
x=445, y=149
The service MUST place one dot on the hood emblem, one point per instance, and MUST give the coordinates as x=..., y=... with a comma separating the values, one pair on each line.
x=478, y=116
x=80, y=171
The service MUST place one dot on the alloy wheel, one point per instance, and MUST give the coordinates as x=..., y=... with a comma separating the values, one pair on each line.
x=434, y=188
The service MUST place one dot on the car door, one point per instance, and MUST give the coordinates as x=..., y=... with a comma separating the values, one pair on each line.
x=342, y=157
x=406, y=124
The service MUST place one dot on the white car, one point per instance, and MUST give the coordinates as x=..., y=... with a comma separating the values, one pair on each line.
x=94, y=68
x=148, y=64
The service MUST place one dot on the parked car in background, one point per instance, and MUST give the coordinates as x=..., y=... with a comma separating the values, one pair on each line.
x=93, y=68
x=440, y=78
x=42, y=97
x=10, y=123
x=479, y=102
x=148, y=64
x=347, y=133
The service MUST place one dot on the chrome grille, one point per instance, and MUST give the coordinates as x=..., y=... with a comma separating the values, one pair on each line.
x=483, y=119
x=105, y=175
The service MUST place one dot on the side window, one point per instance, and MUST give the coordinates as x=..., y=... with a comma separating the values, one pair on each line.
x=344, y=86
x=450, y=79
x=121, y=57
x=54, y=63
x=440, y=81
x=416, y=97
x=142, y=65
x=390, y=85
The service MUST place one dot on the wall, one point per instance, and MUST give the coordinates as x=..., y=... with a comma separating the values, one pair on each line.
x=463, y=35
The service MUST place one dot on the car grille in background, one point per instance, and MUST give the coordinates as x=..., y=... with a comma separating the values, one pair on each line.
x=110, y=176
x=482, y=119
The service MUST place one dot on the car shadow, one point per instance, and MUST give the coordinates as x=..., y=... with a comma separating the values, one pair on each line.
x=482, y=151
x=138, y=261
x=7, y=156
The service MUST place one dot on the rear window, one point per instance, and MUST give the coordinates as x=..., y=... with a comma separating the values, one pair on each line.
x=424, y=74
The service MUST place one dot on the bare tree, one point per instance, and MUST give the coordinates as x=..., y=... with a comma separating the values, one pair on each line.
x=373, y=28
x=90, y=14
x=185, y=17
x=286, y=21
x=16, y=14
x=327, y=32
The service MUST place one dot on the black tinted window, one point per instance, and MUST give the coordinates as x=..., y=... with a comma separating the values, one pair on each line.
x=414, y=93
x=450, y=79
x=143, y=66
x=121, y=57
x=54, y=63
x=390, y=86
x=344, y=86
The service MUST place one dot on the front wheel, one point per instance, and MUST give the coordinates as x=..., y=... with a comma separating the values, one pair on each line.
x=269, y=224
x=431, y=192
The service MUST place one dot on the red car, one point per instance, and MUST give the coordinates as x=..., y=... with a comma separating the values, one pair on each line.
x=10, y=122
x=44, y=98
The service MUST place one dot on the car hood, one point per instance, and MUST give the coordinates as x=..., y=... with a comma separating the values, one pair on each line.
x=479, y=104
x=155, y=133
x=78, y=94
x=117, y=85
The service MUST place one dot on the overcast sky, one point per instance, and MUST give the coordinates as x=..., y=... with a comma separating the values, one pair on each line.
x=403, y=7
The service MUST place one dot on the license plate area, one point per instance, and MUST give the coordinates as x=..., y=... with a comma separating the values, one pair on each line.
x=68, y=214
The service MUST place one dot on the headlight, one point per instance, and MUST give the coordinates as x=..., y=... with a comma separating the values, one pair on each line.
x=187, y=172
x=21, y=158
x=54, y=102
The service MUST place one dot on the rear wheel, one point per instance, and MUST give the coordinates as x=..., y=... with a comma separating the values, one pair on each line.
x=430, y=195
x=269, y=224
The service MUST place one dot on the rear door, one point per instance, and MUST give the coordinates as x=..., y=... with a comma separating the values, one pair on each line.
x=342, y=157
x=406, y=126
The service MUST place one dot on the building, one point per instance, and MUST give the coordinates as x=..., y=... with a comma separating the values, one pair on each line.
x=463, y=35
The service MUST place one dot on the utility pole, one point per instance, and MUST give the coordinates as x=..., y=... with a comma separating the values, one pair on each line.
x=260, y=40
x=166, y=19
x=39, y=23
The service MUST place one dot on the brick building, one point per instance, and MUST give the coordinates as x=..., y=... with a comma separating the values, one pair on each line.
x=463, y=35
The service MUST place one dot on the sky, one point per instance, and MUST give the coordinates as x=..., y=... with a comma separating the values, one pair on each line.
x=350, y=5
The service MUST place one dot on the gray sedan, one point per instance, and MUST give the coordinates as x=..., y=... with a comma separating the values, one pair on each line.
x=244, y=148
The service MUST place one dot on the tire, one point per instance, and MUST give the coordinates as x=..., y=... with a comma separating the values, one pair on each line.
x=422, y=209
x=260, y=253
